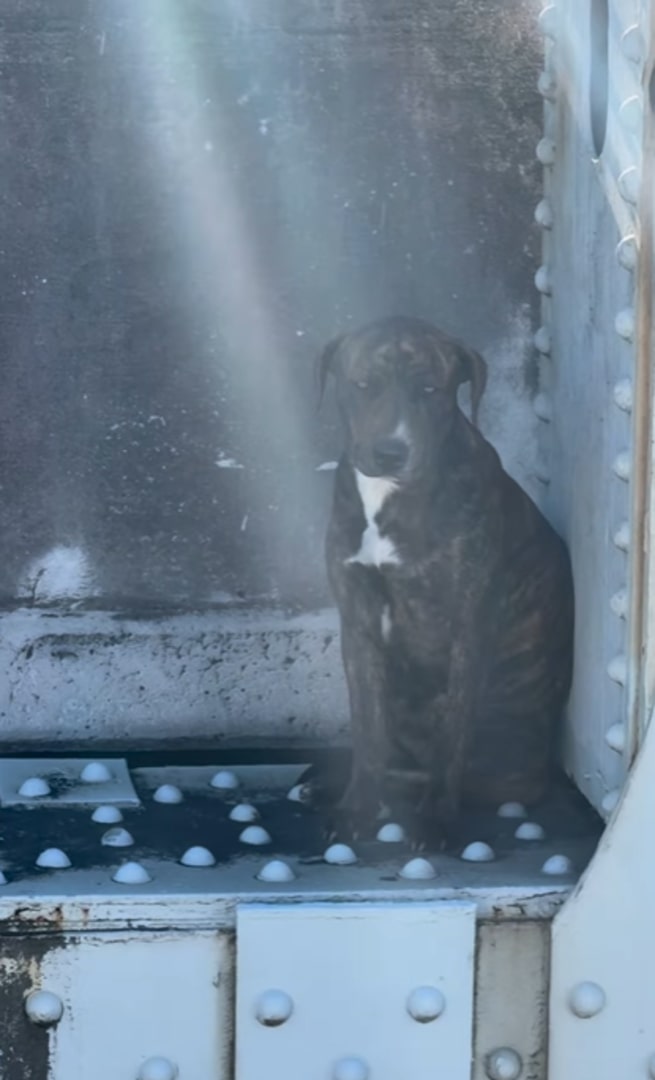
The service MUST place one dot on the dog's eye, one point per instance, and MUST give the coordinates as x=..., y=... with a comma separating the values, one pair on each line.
x=361, y=384
x=428, y=389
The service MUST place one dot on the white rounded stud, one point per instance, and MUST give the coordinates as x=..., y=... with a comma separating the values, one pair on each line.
x=117, y=838
x=425, y=1004
x=418, y=870
x=622, y=465
x=621, y=537
x=297, y=793
x=276, y=872
x=609, y=802
x=622, y=394
x=631, y=114
x=44, y=1008
x=512, y=810
x=542, y=281
x=198, y=856
x=543, y=214
x=587, y=999
x=617, y=669
x=53, y=858
x=351, y=1068
x=158, y=1068
x=615, y=737
x=619, y=603
x=106, y=815
x=35, y=787
x=168, y=793
x=546, y=151
x=633, y=45
x=548, y=20
x=255, y=835
x=542, y=340
x=503, y=1064
x=530, y=830
x=628, y=184
x=243, y=812
x=95, y=772
x=224, y=780
x=131, y=873
x=556, y=865
x=543, y=407
x=624, y=324
x=273, y=1007
x=340, y=855
x=547, y=85
x=391, y=833
x=478, y=851
x=627, y=252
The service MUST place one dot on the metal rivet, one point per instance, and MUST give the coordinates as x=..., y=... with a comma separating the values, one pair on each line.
x=391, y=833
x=548, y=20
x=243, y=812
x=131, y=873
x=529, y=830
x=158, y=1068
x=587, y=999
x=610, y=801
x=621, y=537
x=542, y=340
x=617, y=669
x=543, y=407
x=503, y=1064
x=631, y=114
x=255, y=835
x=418, y=870
x=542, y=280
x=95, y=772
x=543, y=214
x=547, y=85
x=198, y=856
x=276, y=872
x=622, y=465
x=274, y=1007
x=624, y=324
x=224, y=780
x=619, y=603
x=556, y=865
x=118, y=837
x=615, y=737
x=478, y=851
x=546, y=151
x=168, y=793
x=622, y=394
x=340, y=855
x=511, y=810
x=350, y=1068
x=35, y=787
x=106, y=815
x=627, y=251
x=425, y=1004
x=628, y=184
x=53, y=858
x=44, y=1008
x=632, y=44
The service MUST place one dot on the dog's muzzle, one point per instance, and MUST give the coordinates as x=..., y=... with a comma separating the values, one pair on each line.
x=390, y=455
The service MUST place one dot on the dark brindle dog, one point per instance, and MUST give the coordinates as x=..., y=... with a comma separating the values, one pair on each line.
x=455, y=593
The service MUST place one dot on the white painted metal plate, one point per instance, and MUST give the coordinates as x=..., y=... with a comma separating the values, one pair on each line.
x=349, y=971
x=130, y=997
x=64, y=779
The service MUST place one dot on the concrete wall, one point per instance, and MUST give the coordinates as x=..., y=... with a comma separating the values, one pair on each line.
x=196, y=195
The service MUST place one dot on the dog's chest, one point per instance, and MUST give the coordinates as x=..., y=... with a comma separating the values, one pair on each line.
x=375, y=548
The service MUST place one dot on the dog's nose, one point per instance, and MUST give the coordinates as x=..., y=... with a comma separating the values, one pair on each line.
x=390, y=454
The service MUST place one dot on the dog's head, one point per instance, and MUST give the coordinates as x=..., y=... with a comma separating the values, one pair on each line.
x=396, y=384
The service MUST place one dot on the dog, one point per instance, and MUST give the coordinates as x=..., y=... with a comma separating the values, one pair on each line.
x=455, y=594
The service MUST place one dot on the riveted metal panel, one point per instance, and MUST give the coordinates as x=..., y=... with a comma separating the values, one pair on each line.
x=349, y=971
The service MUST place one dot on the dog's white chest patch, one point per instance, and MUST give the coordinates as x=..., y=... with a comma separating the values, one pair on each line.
x=374, y=549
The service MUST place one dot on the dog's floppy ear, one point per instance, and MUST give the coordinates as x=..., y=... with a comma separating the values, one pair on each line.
x=473, y=369
x=325, y=365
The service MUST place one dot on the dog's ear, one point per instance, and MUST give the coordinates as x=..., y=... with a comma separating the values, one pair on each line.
x=325, y=365
x=472, y=368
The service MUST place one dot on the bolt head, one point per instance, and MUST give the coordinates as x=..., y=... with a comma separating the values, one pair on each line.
x=158, y=1068
x=350, y=1068
x=587, y=999
x=503, y=1064
x=273, y=1007
x=43, y=1008
x=425, y=1003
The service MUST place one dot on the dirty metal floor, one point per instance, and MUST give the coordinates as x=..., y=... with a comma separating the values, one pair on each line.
x=163, y=832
